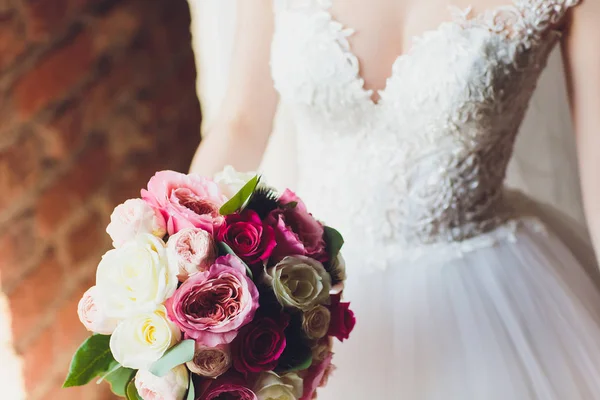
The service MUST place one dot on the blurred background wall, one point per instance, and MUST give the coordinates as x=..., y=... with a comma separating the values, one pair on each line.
x=95, y=95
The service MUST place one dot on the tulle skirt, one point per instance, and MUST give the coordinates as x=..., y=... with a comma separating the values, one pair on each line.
x=516, y=320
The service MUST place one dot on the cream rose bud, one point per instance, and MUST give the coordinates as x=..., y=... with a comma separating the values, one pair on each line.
x=315, y=322
x=189, y=251
x=299, y=282
x=133, y=217
x=172, y=386
x=136, y=277
x=92, y=314
x=231, y=181
x=141, y=340
x=271, y=386
x=210, y=362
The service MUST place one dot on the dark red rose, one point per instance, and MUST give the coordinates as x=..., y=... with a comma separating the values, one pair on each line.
x=227, y=387
x=297, y=232
x=252, y=240
x=260, y=344
x=342, y=319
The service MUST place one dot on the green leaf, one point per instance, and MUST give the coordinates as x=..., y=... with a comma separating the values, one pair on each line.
x=119, y=379
x=301, y=367
x=176, y=355
x=238, y=201
x=91, y=359
x=191, y=392
x=334, y=241
x=225, y=249
x=131, y=392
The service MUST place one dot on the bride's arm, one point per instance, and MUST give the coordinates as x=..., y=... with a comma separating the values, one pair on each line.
x=239, y=133
x=581, y=50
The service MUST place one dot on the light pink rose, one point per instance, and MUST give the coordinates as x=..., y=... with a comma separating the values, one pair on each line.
x=210, y=362
x=213, y=305
x=91, y=314
x=191, y=250
x=185, y=201
x=315, y=377
x=134, y=217
x=172, y=386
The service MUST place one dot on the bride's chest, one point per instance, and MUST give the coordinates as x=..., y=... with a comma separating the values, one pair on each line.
x=458, y=65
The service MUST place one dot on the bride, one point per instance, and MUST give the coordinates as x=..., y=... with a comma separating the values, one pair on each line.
x=463, y=289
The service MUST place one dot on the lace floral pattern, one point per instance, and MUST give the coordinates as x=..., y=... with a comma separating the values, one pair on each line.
x=426, y=163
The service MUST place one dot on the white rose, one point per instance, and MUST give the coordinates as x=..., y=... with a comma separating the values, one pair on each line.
x=92, y=314
x=133, y=217
x=231, y=181
x=136, y=277
x=271, y=386
x=172, y=386
x=141, y=340
x=189, y=251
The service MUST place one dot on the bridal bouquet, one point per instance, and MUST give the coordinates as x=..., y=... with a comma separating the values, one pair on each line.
x=215, y=289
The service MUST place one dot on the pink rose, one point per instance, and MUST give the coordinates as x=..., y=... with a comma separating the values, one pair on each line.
x=314, y=377
x=250, y=238
x=132, y=218
x=213, y=305
x=191, y=250
x=185, y=201
x=229, y=387
x=342, y=319
x=210, y=362
x=92, y=315
x=172, y=386
x=260, y=344
x=297, y=232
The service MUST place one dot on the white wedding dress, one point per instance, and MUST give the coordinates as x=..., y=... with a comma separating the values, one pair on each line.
x=463, y=290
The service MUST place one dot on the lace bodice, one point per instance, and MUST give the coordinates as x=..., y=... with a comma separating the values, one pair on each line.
x=426, y=163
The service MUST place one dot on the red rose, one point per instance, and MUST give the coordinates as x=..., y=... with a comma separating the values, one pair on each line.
x=342, y=319
x=251, y=239
x=297, y=232
x=230, y=387
x=260, y=345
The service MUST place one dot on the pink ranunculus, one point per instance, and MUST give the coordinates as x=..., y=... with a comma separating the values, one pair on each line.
x=250, y=238
x=314, y=377
x=342, y=319
x=185, y=201
x=230, y=387
x=213, y=305
x=92, y=315
x=297, y=232
x=191, y=250
x=260, y=344
x=132, y=218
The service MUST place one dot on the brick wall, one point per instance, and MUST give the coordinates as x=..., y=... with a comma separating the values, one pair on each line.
x=94, y=97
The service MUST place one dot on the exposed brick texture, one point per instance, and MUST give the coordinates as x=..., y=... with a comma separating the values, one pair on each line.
x=95, y=96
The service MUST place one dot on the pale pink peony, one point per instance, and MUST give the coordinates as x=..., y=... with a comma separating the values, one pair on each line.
x=172, y=386
x=213, y=305
x=91, y=314
x=185, y=201
x=134, y=217
x=191, y=250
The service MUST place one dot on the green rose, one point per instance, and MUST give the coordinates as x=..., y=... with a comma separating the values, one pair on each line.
x=300, y=282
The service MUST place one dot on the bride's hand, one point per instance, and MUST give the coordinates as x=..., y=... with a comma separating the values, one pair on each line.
x=239, y=134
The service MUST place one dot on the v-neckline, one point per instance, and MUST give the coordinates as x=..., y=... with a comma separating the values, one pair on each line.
x=459, y=17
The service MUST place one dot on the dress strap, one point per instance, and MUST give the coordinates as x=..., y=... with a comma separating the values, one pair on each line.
x=301, y=5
